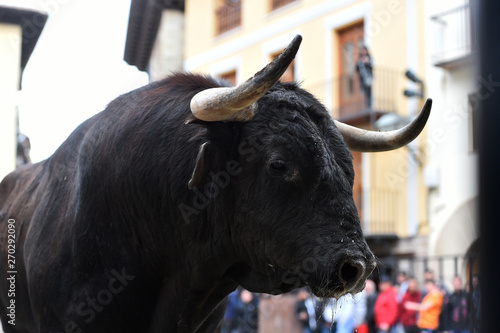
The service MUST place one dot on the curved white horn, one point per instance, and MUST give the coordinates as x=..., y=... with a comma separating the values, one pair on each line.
x=237, y=103
x=372, y=141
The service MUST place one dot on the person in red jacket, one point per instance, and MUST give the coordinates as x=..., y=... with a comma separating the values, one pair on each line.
x=386, y=306
x=408, y=317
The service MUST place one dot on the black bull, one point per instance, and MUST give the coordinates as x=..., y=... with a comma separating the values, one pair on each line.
x=147, y=216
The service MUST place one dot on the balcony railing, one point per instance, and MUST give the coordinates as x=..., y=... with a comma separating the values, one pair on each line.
x=387, y=213
x=228, y=16
x=352, y=99
x=454, y=36
x=384, y=212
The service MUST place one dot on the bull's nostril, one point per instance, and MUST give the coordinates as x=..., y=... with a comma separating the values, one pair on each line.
x=349, y=272
x=353, y=274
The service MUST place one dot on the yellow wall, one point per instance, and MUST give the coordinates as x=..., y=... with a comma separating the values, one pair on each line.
x=386, y=32
x=10, y=57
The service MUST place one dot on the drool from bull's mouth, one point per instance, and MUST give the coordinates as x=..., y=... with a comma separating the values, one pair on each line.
x=192, y=188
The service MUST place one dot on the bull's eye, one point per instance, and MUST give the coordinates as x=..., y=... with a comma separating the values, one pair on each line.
x=278, y=166
x=283, y=170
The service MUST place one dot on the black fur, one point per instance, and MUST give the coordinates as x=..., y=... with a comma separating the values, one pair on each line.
x=269, y=213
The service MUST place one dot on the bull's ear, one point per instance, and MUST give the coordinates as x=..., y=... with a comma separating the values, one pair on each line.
x=202, y=166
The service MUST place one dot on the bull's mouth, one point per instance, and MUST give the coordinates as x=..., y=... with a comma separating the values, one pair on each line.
x=256, y=281
x=350, y=278
x=335, y=289
x=323, y=292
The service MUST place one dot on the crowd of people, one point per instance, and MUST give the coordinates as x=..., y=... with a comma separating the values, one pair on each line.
x=402, y=307
x=242, y=312
x=399, y=307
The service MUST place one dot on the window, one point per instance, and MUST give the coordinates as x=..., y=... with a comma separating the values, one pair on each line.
x=275, y=4
x=351, y=95
x=228, y=15
x=229, y=77
x=228, y=70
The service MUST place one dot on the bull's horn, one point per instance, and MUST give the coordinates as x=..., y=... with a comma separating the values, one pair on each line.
x=372, y=141
x=237, y=103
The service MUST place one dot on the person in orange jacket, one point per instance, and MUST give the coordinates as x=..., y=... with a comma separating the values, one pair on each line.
x=386, y=306
x=429, y=309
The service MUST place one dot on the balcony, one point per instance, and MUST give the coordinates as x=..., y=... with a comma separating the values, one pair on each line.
x=384, y=214
x=228, y=16
x=454, y=36
x=352, y=106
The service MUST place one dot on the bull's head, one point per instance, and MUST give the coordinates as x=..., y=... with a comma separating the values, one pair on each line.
x=294, y=192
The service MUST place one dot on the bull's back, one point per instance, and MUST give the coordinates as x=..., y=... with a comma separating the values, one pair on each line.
x=50, y=201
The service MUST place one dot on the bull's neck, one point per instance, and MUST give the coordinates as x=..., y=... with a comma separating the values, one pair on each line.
x=201, y=309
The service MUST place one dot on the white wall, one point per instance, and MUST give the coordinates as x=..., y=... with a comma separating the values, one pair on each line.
x=167, y=55
x=10, y=64
x=452, y=165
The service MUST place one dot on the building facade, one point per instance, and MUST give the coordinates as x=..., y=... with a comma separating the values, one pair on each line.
x=452, y=148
